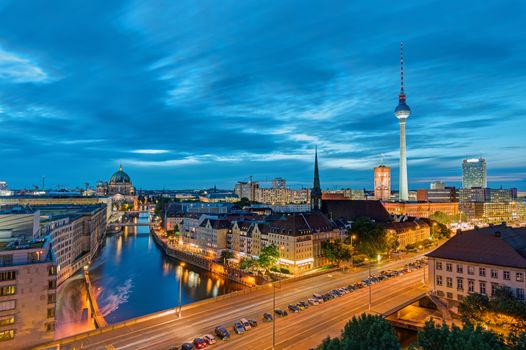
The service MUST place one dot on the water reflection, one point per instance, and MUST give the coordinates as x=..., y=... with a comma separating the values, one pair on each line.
x=135, y=278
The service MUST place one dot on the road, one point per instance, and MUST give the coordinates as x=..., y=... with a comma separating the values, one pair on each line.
x=297, y=331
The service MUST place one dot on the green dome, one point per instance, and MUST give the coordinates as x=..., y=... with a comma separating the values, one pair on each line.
x=120, y=177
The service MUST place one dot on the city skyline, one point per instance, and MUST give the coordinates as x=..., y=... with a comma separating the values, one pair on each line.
x=221, y=94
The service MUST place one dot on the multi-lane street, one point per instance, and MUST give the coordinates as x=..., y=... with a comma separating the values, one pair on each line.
x=297, y=331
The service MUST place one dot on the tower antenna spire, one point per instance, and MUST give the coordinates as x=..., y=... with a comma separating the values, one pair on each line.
x=402, y=94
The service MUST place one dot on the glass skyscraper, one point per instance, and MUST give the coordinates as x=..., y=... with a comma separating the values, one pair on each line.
x=474, y=173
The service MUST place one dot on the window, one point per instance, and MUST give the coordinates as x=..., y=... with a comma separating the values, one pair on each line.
x=7, y=335
x=471, y=270
x=7, y=305
x=460, y=284
x=438, y=265
x=460, y=269
x=506, y=275
x=494, y=287
x=439, y=280
x=471, y=286
x=7, y=276
x=52, y=270
x=449, y=267
x=520, y=276
x=51, y=298
x=520, y=293
x=494, y=274
x=482, y=286
x=6, y=260
x=449, y=282
x=7, y=290
x=449, y=295
x=52, y=284
x=50, y=327
x=482, y=271
x=51, y=312
x=7, y=320
x=460, y=297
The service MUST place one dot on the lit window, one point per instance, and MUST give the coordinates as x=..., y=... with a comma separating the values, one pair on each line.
x=460, y=269
x=7, y=335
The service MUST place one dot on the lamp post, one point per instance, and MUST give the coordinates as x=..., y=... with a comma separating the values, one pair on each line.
x=182, y=264
x=369, y=284
x=273, y=285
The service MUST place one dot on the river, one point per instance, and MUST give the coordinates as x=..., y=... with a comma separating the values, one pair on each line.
x=132, y=277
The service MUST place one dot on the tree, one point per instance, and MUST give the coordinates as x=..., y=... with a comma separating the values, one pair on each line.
x=268, y=257
x=176, y=228
x=247, y=263
x=473, y=307
x=243, y=202
x=336, y=251
x=225, y=255
x=364, y=332
x=441, y=217
x=371, y=238
x=435, y=337
x=439, y=231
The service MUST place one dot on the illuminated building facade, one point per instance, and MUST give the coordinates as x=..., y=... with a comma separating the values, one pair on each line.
x=421, y=209
x=382, y=183
x=474, y=173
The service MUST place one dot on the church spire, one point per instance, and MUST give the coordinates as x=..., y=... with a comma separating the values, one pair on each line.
x=120, y=167
x=315, y=196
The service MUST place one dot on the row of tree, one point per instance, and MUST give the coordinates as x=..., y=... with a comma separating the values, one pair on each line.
x=267, y=259
x=375, y=333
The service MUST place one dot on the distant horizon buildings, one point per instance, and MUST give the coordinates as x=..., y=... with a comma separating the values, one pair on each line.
x=474, y=173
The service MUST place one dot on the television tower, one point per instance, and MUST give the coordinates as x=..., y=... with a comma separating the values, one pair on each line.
x=402, y=112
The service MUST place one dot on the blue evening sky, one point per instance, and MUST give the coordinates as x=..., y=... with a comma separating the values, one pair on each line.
x=195, y=93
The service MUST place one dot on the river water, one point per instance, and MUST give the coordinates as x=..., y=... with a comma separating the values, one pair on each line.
x=133, y=277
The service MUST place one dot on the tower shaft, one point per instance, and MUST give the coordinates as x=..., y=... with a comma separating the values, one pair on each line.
x=403, y=191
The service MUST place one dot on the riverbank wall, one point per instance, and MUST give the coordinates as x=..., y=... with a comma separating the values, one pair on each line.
x=204, y=263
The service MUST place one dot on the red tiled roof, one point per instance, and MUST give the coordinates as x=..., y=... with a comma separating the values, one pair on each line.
x=496, y=245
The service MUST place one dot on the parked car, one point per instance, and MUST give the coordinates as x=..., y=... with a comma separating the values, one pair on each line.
x=222, y=333
x=238, y=328
x=209, y=339
x=267, y=317
x=294, y=308
x=281, y=312
x=187, y=346
x=253, y=323
x=175, y=347
x=313, y=301
x=303, y=305
x=199, y=343
x=245, y=324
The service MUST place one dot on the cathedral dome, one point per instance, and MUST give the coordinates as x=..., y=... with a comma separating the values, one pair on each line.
x=120, y=177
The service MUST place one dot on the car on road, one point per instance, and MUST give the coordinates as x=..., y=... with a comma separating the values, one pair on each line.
x=209, y=339
x=253, y=323
x=199, y=343
x=313, y=301
x=303, y=305
x=245, y=324
x=221, y=333
x=294, y=308
x=175, y=347
x=281, y=312
x=187, y=346
x=267, y=317
x=238, y=328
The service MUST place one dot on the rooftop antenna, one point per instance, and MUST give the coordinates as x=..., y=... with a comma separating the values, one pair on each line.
x=382, y=161
x=43, y=182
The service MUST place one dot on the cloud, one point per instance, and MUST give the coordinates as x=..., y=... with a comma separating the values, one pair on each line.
x=18, y=69
x=150, y=151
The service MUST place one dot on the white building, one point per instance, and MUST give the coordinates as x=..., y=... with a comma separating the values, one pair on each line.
x=479, y=261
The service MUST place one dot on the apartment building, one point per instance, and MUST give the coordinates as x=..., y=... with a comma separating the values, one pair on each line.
x=479, y=261
x=27, y=294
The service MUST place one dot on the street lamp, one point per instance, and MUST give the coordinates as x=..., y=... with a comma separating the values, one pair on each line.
x=182, y=264
x=273, y=285
x=369, y=284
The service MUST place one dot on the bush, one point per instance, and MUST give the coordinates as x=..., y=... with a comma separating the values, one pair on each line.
x=410, y=247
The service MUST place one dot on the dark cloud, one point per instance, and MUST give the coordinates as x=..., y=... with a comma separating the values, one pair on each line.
x=236, y=89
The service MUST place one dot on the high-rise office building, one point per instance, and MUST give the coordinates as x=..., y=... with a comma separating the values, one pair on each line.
x=382, y=182
x=246, y=189
x=474, y=173
x=279, y=183
x=437, y=185
x=402, y=112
